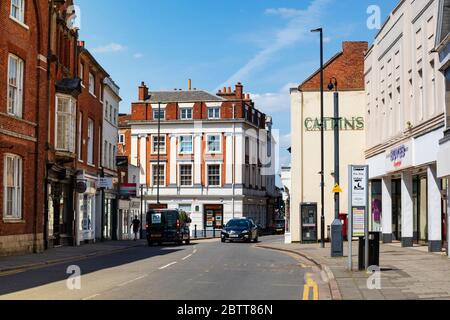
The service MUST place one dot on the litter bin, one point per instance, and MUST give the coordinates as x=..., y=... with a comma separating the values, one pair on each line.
x=374, y=250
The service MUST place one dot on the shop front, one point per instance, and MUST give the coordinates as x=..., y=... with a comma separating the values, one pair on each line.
x=406, y=193
x=85, y=210
x=59, y=218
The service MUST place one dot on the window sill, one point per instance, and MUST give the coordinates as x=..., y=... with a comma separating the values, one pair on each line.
x=23, y=25
x=13, y=221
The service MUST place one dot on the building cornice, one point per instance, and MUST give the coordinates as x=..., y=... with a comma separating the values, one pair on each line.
x=419, y=130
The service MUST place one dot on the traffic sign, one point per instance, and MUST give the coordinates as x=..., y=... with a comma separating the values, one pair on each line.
x=337, y=188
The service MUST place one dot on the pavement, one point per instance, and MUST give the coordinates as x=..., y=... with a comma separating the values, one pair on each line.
x=406, y=273
x=204, y=270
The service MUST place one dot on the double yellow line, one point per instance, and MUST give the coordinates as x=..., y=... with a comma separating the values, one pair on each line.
x=310, y=284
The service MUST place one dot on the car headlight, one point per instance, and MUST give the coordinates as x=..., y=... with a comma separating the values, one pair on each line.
x=245, y=231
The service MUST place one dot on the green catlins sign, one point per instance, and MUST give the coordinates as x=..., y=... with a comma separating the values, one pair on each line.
x=345, y=124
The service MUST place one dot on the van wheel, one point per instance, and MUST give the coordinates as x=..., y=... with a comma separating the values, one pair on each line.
x=223, y=240
x=180, y=242
x=150, y=243
x=188, y=242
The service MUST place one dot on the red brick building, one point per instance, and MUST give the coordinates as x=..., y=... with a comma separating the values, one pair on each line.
x=51, y=114
x=23, y=102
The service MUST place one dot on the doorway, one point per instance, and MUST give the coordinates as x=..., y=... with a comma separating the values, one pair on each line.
x=213, y=216
x=396, y=209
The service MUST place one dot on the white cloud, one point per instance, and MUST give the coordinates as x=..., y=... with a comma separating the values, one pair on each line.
x=110, y=48
x=283, y=12
x=274, y=101
x=138, y=55
x=296, y=30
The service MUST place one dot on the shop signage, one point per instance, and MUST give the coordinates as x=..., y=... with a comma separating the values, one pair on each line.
x=128, y=189
x=81, y=186
x=359, y=185
x=345, y=124
x=121, y=162
x=135, y=205
x=399, y=157
x=358, y=207
x=105, y=182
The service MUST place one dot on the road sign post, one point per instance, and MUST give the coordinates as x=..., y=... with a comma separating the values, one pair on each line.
x=358, y=210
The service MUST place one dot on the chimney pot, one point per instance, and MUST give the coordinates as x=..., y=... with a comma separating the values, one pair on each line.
x=229, y=89
x=189, y=84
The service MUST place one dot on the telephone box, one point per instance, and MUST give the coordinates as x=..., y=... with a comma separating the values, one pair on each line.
x=309, y=222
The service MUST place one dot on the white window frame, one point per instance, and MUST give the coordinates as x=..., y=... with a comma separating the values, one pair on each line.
x=17, y=187
x=122, y=139
x=80, y=136
x=216, y=114
x=220, y=175
x=91, y=84
x=21, y=10
x=17, y=108
x=184, y=113
x=162, y=149
x=90, y=142
x=81, y=72
x=163, y=111
x=220, y=143
x=71, y=135
x=179, y=174
x=162, y=177
x=180, y=144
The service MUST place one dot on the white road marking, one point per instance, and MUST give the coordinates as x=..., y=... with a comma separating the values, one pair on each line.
x=167, y=265
x=187, y=257
x=91, y=297
x=131, y=281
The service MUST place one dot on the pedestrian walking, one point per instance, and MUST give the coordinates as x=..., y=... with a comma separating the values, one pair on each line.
x=136, y=224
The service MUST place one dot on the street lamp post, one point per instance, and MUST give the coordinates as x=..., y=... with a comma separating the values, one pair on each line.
x=337, y=245
x=322, y=144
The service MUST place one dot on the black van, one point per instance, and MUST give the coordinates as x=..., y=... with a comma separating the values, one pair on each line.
x=167, y=225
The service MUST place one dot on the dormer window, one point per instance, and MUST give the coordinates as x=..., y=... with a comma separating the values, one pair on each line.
x=186, y=113
x=214, y=113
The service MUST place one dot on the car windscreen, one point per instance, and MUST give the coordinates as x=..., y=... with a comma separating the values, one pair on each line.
x=238, y=224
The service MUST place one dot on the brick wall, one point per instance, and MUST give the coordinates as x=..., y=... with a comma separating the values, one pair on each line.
x=347, y=68
x=25, y=137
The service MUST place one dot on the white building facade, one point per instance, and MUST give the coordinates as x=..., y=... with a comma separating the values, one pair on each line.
x=443, y=49
x=405, y=121
x=109, y=140
x=213, y=165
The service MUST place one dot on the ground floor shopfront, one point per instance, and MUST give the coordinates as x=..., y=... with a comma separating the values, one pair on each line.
x=210, y=215
x=407, y=202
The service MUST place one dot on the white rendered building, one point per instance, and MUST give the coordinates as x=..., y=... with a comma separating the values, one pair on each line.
x=214, y=155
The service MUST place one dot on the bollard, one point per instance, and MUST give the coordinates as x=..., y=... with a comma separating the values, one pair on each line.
x=195, y=231
x=204, y=233
x=214, y=231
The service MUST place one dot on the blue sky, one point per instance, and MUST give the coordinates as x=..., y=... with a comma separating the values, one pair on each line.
x=265, y=44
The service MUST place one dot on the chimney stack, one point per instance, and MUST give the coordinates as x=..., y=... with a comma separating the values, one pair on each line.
x=239, y=91
x=143, y=92
x=189, y=84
